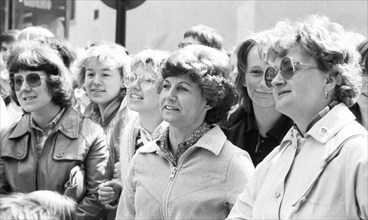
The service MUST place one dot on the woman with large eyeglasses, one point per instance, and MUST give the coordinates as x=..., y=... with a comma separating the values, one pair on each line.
x=255, y=125
x=52, y=147
x=191, y=171
x=319, y=171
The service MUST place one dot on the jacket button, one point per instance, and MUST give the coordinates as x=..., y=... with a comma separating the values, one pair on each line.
x=323, y=130
x=59, y=155
x=277, y=195
x=19, y=154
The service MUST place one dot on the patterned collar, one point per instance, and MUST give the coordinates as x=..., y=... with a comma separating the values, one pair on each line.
x=193, y=138
x=50, y=126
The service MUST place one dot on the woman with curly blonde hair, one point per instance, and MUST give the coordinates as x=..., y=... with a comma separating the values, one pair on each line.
x=319, y=171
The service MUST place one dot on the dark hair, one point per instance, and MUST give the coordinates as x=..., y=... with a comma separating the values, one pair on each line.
x=66, y=52
x=9, y=36
x=363, y=50
x=210, y=69
x=206, y=35
x=36, y=56
x=242, y=64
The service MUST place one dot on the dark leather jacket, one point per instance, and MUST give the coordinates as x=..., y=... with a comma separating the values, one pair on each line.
x=76, y=141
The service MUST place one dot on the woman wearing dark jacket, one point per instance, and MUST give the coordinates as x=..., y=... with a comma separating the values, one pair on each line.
x=52, y=147
x=254, y=125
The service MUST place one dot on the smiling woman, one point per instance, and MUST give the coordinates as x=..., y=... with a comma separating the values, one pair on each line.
x=191, y=165
x=51, y=140
x=314, y=79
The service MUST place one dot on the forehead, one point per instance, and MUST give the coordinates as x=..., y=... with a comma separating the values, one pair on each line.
x=96, y=64
x=297, y=53
x=140, y=69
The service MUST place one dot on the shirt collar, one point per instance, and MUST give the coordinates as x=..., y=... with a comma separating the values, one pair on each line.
x=50, y=126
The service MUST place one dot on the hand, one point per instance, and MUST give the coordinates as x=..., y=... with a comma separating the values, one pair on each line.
x=117, y=171
x=109, y=192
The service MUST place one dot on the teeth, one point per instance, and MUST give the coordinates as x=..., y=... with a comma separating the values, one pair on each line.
x=29, y=98
x=136, y=96
x=169, y=108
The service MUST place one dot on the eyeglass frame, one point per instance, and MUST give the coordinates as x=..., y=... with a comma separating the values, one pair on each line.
x=17, y=87
x=140, y=79
x=285, y=76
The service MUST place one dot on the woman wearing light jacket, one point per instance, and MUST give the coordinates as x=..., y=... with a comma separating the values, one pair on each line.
x=319, y=171
x=192, y=171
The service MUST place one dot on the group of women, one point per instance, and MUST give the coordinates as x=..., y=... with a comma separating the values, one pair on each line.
x=162, y=138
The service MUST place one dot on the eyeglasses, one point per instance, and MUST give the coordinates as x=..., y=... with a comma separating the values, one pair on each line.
x=287, y=70
x=33, y=80
x=145, y=80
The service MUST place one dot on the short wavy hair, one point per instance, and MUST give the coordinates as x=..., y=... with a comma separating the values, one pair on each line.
x=210, y=68
x=206, y=35
x=37, y=56
x=328, y=43
x=107, y=53
x=150, y=59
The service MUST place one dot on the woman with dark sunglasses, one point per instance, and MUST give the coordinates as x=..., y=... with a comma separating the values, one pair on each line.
x=52, y=147
x=254, y=125
x=319, y=170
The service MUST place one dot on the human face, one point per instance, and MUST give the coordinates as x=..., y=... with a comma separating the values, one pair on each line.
x=363, y=98
x=103, y=83
x=259, y=94
x=234, y=64
x=33, y=99
x=5, y=50
x=143, y=100
x=303, y=94
x=182, y=103
x=188, y=41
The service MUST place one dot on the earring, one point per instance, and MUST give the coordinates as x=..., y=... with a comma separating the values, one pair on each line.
x=326, y=94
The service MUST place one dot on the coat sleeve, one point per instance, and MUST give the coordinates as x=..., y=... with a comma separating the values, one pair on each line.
x=239, y=173
x=356, y=179
x=96, y=172
x=4, y=186
x=126, y=208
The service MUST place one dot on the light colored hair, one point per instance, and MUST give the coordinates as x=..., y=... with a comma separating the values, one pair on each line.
x=329, y=44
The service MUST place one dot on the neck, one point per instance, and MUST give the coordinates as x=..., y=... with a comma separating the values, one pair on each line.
x=178, y=134
x=266, y=118
x=363, y=107
x=150, y=121
x=42, y=119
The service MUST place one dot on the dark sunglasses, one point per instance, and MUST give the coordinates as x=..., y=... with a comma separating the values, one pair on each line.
x=33, y=80
x=287, y=70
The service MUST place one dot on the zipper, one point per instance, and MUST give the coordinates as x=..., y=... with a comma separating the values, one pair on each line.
x=170, y=184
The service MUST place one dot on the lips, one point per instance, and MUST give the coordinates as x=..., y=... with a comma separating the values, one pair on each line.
x=170, y=108
x=135, y=96
x=29, y=98
x=280, y=93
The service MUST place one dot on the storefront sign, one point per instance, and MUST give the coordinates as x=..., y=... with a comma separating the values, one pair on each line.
x=39, y=4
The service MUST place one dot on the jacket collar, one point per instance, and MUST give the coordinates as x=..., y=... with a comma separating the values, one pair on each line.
x=212, y=141
x=68, y=124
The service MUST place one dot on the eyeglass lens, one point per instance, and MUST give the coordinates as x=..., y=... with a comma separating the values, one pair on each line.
x=33, y=80
x=287, y=70
x=145, y=80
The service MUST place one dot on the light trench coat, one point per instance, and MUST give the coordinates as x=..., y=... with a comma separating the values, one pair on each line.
x=287, y=184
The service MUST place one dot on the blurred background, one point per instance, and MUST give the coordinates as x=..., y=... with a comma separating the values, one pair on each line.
x=160, y=24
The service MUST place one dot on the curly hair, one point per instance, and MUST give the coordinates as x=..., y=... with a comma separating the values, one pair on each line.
x=206, y=35
x=209, y=68
x=110, y=54
x=36, y=56
x=328, y=43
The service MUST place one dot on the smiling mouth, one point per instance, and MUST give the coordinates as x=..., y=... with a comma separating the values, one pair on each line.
x=170, y=108
x=135, y=96
x=29, y=98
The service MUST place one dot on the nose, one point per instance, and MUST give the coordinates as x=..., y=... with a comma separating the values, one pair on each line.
x=172, y=95
x=25, y=86
x=278, y=80
x=96, y=80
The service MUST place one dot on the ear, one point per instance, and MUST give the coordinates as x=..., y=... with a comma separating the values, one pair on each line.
x=207, y=107
x=330, y=83
x=122, y=83
x=244, y=82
